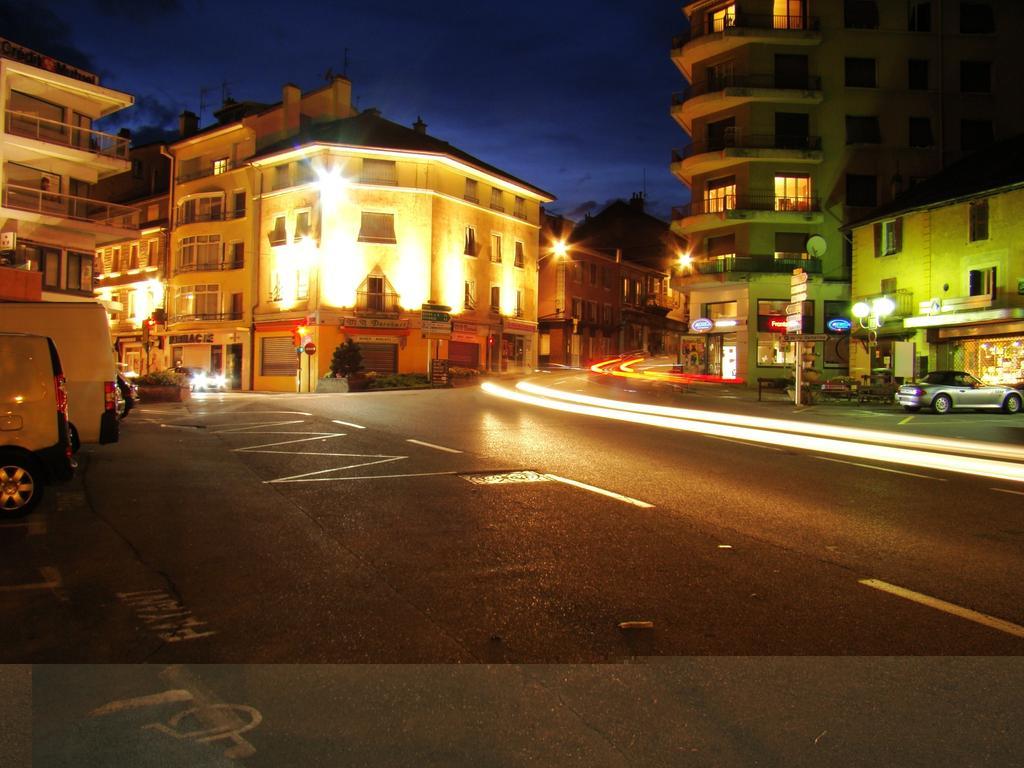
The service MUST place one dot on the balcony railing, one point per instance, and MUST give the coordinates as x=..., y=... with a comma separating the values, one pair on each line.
x=213, y=169
x=753, y=201
x=743, y=141
x=70, y=207
x=212, y=266
x=65, y=134
x=718, y=265
x=197, y=217
x=903, y=298
x=772, y=81
x=753, y=21
x=206, y=316
x=377, y=301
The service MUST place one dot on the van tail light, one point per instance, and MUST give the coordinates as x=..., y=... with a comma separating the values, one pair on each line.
x=110, y=395
x=61, y=388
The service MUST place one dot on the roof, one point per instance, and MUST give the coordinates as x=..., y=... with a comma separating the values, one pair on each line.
x=999, y=166
x=369, y=129
x=642, y=238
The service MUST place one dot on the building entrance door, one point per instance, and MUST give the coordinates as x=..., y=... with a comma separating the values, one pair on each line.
x=233, y=371
x=729, y=361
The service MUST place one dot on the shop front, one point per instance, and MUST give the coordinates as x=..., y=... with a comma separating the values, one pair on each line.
x=510, y=346
x=465, y=343
x=216, y=352
x=993, y=353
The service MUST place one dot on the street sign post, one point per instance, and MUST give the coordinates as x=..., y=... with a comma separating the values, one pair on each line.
x=310, y=348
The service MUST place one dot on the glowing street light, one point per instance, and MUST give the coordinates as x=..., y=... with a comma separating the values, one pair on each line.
x=871, y=317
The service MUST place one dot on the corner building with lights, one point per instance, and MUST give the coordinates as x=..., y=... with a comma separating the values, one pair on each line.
x=308, y=221
x=804, y=116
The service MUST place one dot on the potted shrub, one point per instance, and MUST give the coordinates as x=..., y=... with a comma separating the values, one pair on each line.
x=162, y=387
x=346, y=364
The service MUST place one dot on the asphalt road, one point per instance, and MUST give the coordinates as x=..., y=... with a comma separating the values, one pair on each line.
x=348, y=528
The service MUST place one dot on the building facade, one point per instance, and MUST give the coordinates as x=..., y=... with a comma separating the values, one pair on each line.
x=805, y=115
x=306, y=223
x=51, y=221
x=953, y=245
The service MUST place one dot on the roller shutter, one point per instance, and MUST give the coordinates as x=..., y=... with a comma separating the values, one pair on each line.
x=277, y=356
x=464, y=354
x=382, y=358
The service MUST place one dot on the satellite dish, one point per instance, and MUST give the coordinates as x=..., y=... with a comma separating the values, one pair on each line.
x=816, y=246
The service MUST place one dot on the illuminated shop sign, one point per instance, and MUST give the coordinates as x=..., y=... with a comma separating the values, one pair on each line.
x=9, y=50
x=191, y=338
x=838, y=325
x=701, y=324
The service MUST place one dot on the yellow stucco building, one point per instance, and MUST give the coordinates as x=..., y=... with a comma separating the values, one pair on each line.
x=948, y=256
x=307, y=222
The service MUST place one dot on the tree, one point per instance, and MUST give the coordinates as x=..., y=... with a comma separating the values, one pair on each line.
x=347, y=359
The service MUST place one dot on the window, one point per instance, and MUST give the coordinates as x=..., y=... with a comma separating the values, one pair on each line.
x=133, y=259
x=237, y=251
x=377, y=228
x=921, y=132
x=198, y=301
x=577, y=309
x=239, y=205
x=860, y=14
x=862, y=130
x=497, y=200
x=720, y=246
x=860, y=73
x=469, y=295
x=975, y=77
x=771, y=324
x=792, y=71
x=519, y=303
x=917, y=74
x=887, y=285
x=788, y=14
x=607, y=277
x=792, y=193
x=593, y=274
x=220, y=165
x=519, y=208
x=136, y=169
x=920, y=16
x=496, y=248
x=722, y=18
x=976, y=19
x=861, y=190
x=520, y=257
x=576, y=271
x=302, y=283
x=471, y=191
x=207, y=208
x=379, y=172
x=978, y=221
x=236, y=306
x=888, y=237
x=279, y=234
x=199, y=252
x=470, y=247
x=495, y=298
x=720, y=195
x=280, y=176
x=304, y=172
x=975, y=134
x=302, y=225
x=48, y=262
x=790, y=245
x=982, y=282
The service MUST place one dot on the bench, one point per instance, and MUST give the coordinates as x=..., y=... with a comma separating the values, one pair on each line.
x=771, y=385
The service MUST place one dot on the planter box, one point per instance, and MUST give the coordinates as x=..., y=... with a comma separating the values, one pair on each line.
x=150, y=393
x=332, y=385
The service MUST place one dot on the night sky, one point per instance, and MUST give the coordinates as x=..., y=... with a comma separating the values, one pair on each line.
x=570, y=95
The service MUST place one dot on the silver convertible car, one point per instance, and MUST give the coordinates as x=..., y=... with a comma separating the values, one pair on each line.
x=945, y=390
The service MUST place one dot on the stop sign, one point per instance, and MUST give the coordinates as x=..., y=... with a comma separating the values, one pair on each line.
x=310, y=348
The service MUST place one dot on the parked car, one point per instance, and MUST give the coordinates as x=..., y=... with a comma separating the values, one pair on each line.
x=35, y=439
x=129, y=394
x=944, y=391
x=201, y=381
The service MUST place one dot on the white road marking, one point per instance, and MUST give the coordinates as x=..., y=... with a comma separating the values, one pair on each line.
x=347, y=424
x=51, y=580
x=601, y=491
x=254, y=424
x=431, y=445
x=1007, y=490
x=744, y=442
x=361, y=477
x=881, y=469
x=317, y=436
x=381, y=460
x=139, y=702
x=933, y=602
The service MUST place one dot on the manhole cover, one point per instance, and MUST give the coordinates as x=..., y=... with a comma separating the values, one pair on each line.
x=495, y=478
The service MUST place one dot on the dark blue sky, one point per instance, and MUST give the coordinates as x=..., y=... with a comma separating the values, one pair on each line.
x=571, y=95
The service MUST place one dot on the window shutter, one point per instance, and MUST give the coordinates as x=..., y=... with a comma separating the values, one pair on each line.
x=897, y=229
x=878, y=239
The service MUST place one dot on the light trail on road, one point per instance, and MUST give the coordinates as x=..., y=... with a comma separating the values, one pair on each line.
x=967, y=465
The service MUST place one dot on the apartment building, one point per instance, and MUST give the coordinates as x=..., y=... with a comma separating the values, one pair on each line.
x=129, y=274
x=309, y=222
x=803, y=116
x=953, y=243
x=604, y=286
x=51, y=221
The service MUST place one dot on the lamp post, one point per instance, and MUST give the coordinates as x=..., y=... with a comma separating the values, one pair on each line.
x=871, y=317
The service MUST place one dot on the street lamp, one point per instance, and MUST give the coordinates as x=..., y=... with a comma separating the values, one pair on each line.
x=871, y=317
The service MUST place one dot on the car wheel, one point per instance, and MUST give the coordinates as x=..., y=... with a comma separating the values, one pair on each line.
x=21, y=484
x=911, y=408
x=942, y=404
x=1012, y=404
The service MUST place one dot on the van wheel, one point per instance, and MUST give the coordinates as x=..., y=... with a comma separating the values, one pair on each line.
x=76, y=443
x=21, y=485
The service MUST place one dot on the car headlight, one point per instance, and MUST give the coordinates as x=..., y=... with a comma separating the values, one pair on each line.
x=199, y=380
x=219, y=380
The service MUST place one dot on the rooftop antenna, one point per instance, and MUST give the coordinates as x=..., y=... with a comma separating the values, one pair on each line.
x=344, y=68
x=225, y=91
x=203, y=93
x=645, y=183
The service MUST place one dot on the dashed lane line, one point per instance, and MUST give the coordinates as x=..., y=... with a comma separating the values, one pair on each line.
x=601, y=491
x=882, y=469
x=347, y=424
x=431, y=445
x=941, y=605
x=750, y=445
x=1007, y=490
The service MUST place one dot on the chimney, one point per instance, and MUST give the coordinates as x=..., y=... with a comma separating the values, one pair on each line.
x=291, y=108
x=637, y=201
x=125, y=133
x=188, y=124
x=419, y=126
x=341, y=97
x=372, y=111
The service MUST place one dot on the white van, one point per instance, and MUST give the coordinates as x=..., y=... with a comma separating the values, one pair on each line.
x=82, y=335
x=35, y=442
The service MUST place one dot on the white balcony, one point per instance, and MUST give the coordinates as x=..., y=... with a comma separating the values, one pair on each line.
x=106, y=221
x=39, y=137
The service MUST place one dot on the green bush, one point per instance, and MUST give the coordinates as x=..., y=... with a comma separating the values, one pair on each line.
x=399, y=381
x=163, y=379
x=347, y=359
x=456, y=371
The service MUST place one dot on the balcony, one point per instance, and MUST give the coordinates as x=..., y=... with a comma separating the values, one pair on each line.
x=903, y=298
x=213, y=169
x=732, y=268
x=736, y=147
x=66, y=141
x=753, y=207
x=377, y=302
x=212, y=266
x=107, y=221
x=197, y=218
x=728, y=92
x=211, y=316
x=710, y=37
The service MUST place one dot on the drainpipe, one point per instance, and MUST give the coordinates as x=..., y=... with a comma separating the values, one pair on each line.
x=257, y=248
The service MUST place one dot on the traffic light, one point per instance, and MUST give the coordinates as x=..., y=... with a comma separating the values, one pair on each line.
x=147, y=328
x=299, y=332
